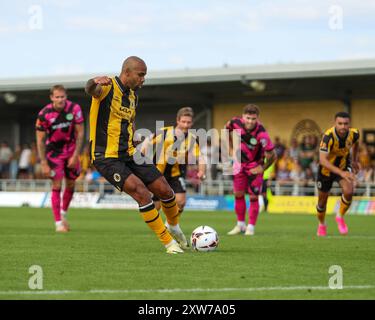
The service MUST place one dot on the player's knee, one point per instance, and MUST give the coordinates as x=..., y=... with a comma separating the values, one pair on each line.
x=70, y=185
x=139, y=193
x=239, y=194
x=253, y=198
x=165, y=192
x=348, y=196
x=56, y=184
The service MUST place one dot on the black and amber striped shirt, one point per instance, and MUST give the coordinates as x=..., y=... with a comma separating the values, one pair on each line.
x=338, y=149
x=112, y=117
x=171, y=155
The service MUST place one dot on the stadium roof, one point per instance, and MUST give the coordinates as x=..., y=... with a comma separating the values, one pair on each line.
x=209, y=75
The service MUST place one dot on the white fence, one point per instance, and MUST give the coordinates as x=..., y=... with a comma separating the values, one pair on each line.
x=208, y=187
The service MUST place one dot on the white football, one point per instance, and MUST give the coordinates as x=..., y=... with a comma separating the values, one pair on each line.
x=204, y=238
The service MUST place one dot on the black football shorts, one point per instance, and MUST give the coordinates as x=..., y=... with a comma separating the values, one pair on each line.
x=116, y=171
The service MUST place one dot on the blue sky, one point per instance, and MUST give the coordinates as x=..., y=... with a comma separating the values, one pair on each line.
x=41, y=38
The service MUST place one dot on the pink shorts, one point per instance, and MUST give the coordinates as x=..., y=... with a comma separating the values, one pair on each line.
x=245, y=181
x=58, y=164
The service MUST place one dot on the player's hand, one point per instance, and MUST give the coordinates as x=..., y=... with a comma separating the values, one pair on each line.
x=201, y=175
x=104, y=80
x=46, y=170
x=356, y=167
x=257, y=170
x=348, y=176
x=72, y=162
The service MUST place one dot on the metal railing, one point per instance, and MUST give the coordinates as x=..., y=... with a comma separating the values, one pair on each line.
x=207, y=187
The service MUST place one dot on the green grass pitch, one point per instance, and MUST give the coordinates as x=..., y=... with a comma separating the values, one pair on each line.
x=111, y=254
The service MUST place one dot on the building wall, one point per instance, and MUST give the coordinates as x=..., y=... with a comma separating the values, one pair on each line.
x=281, y=118
x=363, y=114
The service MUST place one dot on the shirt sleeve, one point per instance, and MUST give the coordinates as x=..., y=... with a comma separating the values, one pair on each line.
x=356, y=136
x=41, y=123
x=229, y=125
x=265, y=141
x=326, y=143
x=77, y=112
x=105, y=91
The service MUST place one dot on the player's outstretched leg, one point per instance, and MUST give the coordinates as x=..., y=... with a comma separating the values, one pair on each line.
x=163, y=191
x=253, y=216
x=321, y=213
x=346, y=200
x=344, y=206
x=240, y=209
x=135, y=188
x=172, y=213
x=322, y=228
x=66, y=199
x=56, y=209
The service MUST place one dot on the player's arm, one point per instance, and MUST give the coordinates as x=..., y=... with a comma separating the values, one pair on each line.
x=41, y=146
x=79, y=132
x=94, y=86
x=270, y=159
x=325, y=148
x=323, y=160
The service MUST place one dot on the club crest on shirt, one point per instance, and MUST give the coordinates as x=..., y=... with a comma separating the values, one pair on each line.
x=69, y=116
x=253, y=141
x=117, y=177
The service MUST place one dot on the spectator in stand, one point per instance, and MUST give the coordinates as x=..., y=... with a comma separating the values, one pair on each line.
x=24, y=164
x=85, y=161
x=5, y=158
x=34, y=160
x=294, y=149
x=279, y=147
x=366, y=171
x=307, y=152
x=283, y=168
x=296, y=173
x=14, y=162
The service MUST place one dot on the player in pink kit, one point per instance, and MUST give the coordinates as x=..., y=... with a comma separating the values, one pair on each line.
x=256, y=154
x=59, y=134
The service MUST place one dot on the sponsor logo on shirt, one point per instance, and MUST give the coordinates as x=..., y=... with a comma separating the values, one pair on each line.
x=61, y=125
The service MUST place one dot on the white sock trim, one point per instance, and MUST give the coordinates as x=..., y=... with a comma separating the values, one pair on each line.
x=147, y=205
x=166, y=200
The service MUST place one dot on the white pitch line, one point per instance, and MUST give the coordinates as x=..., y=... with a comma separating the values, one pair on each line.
x=351, y=237
x=62, y=292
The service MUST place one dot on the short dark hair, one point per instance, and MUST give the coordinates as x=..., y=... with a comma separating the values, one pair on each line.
x=251, y=109
x=342, y=114
x=59, y=87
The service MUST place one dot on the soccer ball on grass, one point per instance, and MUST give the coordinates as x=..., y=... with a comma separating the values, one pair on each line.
x=204, y=239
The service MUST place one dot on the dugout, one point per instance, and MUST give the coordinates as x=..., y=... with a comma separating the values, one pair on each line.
x=294, y=98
